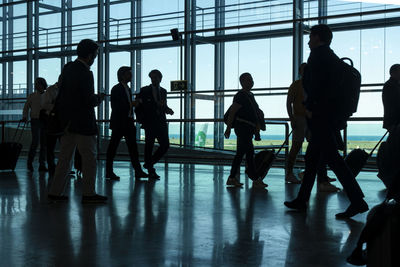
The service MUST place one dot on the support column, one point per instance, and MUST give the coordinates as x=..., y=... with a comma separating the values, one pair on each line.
x=69, y=28
x=4, y=48
x=219, y=74
x=298, y=30
x=190, y=69
x=106, y=58
x=10, y=33
x=29, y=46
x=36, y=41
x=322, y=11
x=100, y=58
x=63, y=8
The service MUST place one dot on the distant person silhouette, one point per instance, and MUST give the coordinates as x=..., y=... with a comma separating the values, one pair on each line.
x=243, y=118
x=297, y=115
x=34, y=103
x=122, y=124
x=390, y=99
x=151, y=110
x=48, y=104
x=321, y=102
x=75, y=104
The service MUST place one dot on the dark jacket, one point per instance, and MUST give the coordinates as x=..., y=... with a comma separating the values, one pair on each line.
x=391, y=107
x=76, y=100
x=120, y=107
x=320, y=82
x=151, y=113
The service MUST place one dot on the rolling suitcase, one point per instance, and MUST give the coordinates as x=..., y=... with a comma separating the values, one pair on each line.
x=9, y=151
x=357, y=158
x=263, y=160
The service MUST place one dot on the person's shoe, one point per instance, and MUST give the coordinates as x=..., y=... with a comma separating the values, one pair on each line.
x=352, y=210
x=94, y=199
x=291, y=179
x=141, y=174
x=56, y=198
x=327, y=187
x=112, y=176
x=233, y=182
x=43, y=169
x=154, y=175
x=296, y=204
x=259, y=184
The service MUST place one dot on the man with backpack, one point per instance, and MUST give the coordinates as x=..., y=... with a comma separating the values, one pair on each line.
x=390, y=99
x=326, y=115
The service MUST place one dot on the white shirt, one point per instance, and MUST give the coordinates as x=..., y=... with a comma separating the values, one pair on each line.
x=34, y=102
x=49, y=98
x=128, y=96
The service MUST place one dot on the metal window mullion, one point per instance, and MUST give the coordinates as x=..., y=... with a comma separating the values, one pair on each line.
x=69, y=27
x=29, y=44
x=100, y=58
x=36, y=40
x=63, y=32
x=138, y=24
x=106, y=57
x=298, y=30
x=10, y=48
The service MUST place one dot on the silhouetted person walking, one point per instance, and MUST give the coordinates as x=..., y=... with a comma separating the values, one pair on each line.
x=297, y=115
x=34, y=103
x=244, y=119
x=75, y=105
x=322, y=101
x=151, y=110
x=391, y=98
x=122, y=124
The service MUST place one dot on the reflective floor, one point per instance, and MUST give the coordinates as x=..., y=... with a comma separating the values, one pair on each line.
x=188, y=218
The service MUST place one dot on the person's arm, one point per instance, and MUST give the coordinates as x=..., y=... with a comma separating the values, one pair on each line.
x=231, y=116
x=167, y=109
x=289, y=102
x=27, y=106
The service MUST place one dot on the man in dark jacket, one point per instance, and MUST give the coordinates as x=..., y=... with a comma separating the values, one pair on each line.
x=390, y=99
x=122, y=124
x=150, y=112
x=75, y=105
x=322, y=100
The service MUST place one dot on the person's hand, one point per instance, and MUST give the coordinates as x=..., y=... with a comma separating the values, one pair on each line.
x=257, y=136
x=227, y=132
x=169, y=111
x=102, y=96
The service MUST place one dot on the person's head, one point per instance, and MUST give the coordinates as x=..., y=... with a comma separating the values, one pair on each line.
x=320, y=34
x=395, y=72
x=40, y=84
x=124, y=74
x=301, y=69
x=87, y=51
x=156, y=77
x=246, y=81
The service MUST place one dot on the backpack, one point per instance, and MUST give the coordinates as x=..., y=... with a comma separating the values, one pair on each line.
x=349, y=86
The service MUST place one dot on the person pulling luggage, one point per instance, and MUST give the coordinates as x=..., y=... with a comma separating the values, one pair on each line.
x=244, y=117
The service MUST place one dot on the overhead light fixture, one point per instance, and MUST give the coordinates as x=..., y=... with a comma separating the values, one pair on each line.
x=382, y=2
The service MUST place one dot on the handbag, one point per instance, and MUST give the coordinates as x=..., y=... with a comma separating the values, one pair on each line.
x=54, y=126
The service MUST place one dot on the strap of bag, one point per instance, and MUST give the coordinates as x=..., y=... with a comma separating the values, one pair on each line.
x=372, y=151
x=253, y=107
x=20, y=130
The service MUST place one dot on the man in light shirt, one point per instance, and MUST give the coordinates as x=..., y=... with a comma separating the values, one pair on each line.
x=34, y=104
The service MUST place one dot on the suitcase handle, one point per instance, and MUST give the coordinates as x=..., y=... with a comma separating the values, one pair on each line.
x=19, y=130
x=284, y=142
x=372, y=151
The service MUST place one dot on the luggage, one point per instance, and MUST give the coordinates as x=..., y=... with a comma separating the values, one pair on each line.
x=357, y=158
x=263, y=160
x=9, y=151
x=78, y=163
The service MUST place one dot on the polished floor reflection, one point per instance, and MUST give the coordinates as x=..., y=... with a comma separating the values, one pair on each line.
x=188, y=218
